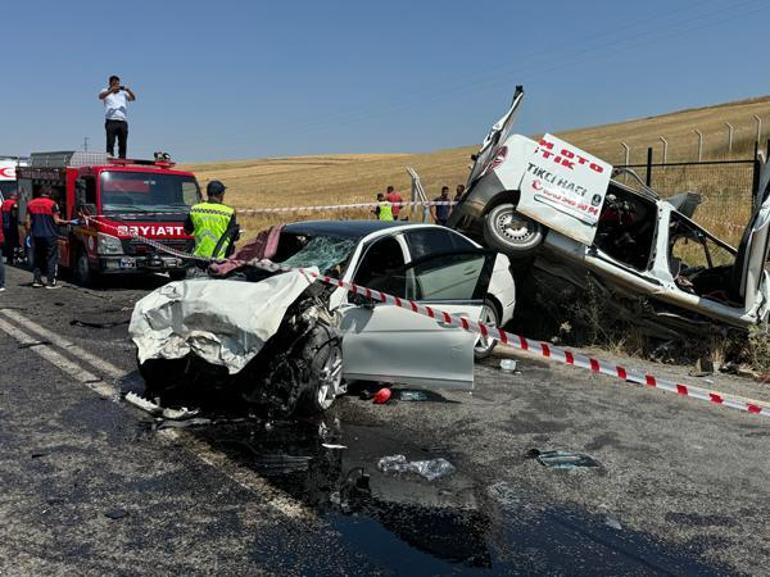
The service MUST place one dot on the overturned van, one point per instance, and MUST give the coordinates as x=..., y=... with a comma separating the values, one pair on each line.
x=569, y=211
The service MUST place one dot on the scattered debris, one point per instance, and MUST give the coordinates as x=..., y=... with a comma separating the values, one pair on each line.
x=407, y=395
x=98, y=325
x=563, y=459
x=180, y=414
x=38, y=454
x=508, y=365
x=431, y=470
x=382, y=396
x=183, y=424
x=613, y=523
x=504, y=493
x=703, y=368
x=116, y=514
x=332, y=446
x=144, y=404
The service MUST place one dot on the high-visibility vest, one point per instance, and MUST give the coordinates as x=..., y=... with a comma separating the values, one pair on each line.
x=386, y=211
x=210, y=221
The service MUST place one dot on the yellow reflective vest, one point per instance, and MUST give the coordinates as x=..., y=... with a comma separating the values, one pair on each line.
x=210, y=221
x=386, y=211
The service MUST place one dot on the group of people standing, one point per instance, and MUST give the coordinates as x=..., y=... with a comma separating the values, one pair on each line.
x=390, y=203
x=43, y=218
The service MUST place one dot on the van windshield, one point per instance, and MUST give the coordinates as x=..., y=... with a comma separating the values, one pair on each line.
x=147, y=192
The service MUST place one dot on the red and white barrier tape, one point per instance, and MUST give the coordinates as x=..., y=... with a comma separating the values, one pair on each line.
x=267, y=210
x=543, y=349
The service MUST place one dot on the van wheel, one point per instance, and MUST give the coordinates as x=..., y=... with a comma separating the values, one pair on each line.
x=510, y=232
x=82, y=272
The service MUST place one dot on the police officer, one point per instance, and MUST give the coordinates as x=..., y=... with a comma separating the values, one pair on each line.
x=213, y=224
x=10, y=213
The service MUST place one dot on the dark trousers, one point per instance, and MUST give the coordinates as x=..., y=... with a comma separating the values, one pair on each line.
x=46, y=261
x=2, y=273
x=116, y=129
x=11, y=243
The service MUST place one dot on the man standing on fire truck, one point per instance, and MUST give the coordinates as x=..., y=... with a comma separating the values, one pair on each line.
x=213, y=224
x=116, y=98
x=42, y=220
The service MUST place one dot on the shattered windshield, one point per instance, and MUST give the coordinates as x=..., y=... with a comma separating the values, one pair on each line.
x=328, y=253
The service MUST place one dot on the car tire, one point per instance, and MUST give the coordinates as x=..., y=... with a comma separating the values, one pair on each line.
x=490, y=317
x=323, y=353
x=510, y=232
x=82, y=273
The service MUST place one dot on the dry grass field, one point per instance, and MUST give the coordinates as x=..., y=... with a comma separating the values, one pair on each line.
x=346, y=178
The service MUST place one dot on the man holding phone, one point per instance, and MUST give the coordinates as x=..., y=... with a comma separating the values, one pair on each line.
x=116, y=98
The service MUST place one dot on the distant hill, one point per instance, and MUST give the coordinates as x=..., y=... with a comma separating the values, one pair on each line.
x=344, y=178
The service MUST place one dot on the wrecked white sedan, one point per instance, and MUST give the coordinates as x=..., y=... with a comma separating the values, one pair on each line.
x=557, y=205
x=281, y=341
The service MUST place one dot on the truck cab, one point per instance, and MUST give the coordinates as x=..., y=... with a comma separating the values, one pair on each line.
x=114, y=202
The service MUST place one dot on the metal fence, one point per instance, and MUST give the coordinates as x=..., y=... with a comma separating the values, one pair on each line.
x=726, y=185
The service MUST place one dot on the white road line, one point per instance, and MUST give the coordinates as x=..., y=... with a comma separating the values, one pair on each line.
x=250, y=480
x=59, y=361
x=246, y=478
x=107, y=369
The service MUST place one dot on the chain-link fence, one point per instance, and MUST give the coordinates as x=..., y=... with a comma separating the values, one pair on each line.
x=726, y=185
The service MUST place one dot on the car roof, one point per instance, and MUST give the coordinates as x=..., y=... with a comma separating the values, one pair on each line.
x=353, y=229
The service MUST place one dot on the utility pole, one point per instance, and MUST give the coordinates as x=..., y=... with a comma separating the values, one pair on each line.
x=85, y=144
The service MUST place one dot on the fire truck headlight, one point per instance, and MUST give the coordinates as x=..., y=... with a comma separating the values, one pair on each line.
x=108, y=244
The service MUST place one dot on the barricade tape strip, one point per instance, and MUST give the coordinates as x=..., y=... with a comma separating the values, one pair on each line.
x=545, y=350
x=268, y=210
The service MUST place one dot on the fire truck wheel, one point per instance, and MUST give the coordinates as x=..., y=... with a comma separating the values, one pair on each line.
x=82, y=273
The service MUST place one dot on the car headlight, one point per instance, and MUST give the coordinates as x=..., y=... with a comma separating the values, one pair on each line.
x=108, y=244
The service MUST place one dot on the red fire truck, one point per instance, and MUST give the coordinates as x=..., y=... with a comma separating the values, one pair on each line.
x=125, y=198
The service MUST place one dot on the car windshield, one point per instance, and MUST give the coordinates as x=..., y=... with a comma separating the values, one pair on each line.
x=147, y=192
x=328, y=253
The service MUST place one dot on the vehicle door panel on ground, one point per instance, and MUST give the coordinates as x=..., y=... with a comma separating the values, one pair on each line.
x=383, y=342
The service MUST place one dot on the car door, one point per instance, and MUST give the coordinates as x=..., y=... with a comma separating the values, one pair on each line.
x=753, y=253
x=386, y=343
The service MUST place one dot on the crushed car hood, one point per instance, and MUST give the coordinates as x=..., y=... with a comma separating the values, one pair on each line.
x=224, y=322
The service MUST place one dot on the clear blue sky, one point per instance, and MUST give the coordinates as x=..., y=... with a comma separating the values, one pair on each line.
x=226, y=79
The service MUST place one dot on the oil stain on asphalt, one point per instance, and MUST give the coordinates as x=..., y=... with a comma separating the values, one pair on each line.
x=453, y=526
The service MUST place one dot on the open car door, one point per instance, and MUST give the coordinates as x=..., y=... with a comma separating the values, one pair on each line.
x=386, y=343
x=749, y=269
x=497, y=135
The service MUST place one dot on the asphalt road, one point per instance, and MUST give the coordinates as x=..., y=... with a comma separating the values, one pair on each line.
x=93, y=486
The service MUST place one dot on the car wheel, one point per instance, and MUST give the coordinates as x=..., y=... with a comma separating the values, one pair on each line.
x=82, y=273
x=510, y=232
x=490, y=317
x=323, y=352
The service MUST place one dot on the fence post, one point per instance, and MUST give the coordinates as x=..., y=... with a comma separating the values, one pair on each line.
x=758, y=120
x=700, y=144
x=665, y=149
x=730, y=130
x=648, y=177
x=627, y=153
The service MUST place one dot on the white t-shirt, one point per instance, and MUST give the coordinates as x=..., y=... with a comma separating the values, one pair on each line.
x=115, y=105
